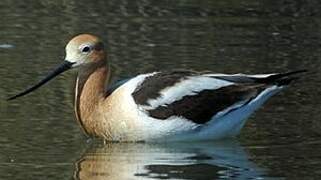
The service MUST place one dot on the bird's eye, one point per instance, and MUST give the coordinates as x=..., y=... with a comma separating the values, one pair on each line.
x=85, y=49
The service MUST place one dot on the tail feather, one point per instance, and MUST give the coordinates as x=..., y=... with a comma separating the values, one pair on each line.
x=281, y=79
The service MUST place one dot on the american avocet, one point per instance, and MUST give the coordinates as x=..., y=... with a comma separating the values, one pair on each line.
x=171, y=106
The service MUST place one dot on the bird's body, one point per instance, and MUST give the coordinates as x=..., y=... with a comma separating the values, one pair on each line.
x=174, y=106
x=161, y=106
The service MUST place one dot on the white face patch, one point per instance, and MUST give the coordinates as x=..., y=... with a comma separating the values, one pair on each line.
x=78, y=54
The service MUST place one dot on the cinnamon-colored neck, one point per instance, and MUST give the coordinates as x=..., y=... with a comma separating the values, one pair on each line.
x=90, y=90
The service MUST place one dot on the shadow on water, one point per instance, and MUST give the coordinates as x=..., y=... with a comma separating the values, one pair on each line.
x=202, y=160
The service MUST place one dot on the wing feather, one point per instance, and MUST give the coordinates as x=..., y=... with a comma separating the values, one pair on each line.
x=199, y=97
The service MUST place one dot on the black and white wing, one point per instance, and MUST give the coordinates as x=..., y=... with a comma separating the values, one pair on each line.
x=199, y=97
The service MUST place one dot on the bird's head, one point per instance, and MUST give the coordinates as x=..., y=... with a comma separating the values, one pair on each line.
x=81, y=50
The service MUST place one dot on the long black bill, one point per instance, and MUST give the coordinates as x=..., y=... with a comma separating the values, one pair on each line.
x=60, y=69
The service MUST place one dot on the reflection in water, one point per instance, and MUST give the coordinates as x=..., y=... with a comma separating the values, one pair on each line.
x=175, y=160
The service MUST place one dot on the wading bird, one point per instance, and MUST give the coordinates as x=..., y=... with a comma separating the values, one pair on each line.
x=160, y=106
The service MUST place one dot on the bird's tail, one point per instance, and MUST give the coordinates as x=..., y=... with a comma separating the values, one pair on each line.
x=282, y=79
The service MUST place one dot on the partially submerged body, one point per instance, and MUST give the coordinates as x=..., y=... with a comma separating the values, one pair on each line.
x=160, y=106
x=181, y=106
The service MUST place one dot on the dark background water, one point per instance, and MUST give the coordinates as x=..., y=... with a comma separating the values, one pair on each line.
x=40, y=139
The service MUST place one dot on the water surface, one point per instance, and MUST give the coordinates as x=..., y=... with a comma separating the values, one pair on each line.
x=40, y=139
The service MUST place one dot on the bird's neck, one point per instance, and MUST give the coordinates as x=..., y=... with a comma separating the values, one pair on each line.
x=89, y=92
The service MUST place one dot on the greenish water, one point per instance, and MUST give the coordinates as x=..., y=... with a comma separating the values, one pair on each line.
x=40, y=139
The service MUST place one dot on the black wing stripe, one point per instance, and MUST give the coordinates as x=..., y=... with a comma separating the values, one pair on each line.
x=278, y=79
x=236, y=79
x=200, y=108
x=153, y=85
